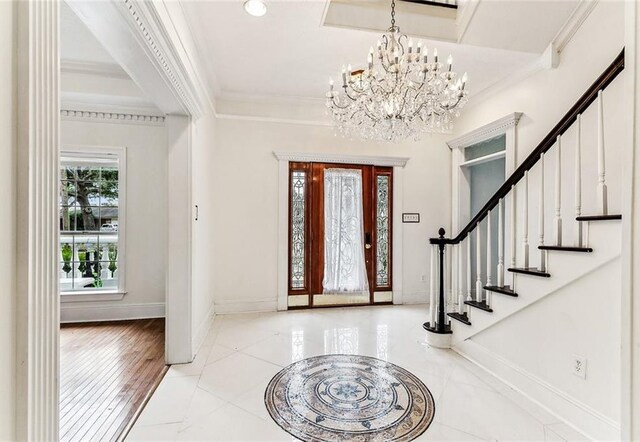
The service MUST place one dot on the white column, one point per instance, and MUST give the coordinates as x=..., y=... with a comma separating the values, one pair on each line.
x=512, y=221
x=578, y=181
x=432, y=287
x=602, y=187
x=478, y=264
x=525, y=220
x=558, y=195
x=500, y=268
x=489, y=264
x=543, y=264
x=37, y=318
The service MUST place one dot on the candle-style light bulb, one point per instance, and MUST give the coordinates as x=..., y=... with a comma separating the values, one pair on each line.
x=331, y=82
x=419, y=47
x=344, y=76
x=435, y=55
x=425, y=55
x=450, y=62
x=464, y=80
x=410, y=45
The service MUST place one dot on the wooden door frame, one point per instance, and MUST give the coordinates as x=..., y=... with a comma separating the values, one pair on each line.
x=284, y=158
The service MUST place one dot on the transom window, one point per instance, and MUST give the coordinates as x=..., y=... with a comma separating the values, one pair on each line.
x=91, y=221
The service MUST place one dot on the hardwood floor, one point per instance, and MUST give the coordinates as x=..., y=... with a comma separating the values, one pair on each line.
x=107, y=370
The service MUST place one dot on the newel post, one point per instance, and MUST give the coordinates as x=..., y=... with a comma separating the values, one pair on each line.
x=439, y=333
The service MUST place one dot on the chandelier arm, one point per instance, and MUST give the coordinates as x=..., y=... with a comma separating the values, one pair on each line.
x=336, y=104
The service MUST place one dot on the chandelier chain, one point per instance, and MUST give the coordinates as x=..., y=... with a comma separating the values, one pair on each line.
x=393, y=13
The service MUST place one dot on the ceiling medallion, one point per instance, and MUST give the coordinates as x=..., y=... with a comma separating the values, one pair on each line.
x=401, y=94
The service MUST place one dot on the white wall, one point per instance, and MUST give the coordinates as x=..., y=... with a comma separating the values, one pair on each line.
x=541, y=339
x=245, y=179
x=203, y=267
x=146, y=217
x=7, y=219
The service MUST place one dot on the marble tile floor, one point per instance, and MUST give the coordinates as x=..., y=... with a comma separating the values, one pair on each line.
x=220, y=395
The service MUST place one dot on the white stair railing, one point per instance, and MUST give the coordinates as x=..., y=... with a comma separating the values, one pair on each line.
x=543, y=264
x=500, y=267
x=489, y=264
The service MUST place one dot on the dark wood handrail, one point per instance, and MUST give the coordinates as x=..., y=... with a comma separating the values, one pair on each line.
x=570, y=117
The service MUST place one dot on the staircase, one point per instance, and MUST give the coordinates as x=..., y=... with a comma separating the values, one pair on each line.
x=465, y=300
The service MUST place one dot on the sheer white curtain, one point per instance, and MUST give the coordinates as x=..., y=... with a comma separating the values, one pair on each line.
x=344, y=266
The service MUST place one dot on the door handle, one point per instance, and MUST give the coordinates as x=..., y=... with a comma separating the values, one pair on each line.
x=367, y=241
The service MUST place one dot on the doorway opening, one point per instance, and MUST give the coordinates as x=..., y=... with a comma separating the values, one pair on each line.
x=340, y=235
x=484, y=170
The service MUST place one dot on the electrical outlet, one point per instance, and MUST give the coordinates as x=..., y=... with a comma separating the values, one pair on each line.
x=580, y=366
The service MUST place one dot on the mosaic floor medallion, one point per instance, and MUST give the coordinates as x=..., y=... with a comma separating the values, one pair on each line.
x=347, y=397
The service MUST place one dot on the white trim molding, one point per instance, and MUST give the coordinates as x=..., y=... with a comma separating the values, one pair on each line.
x=307, y=157
x=575, y=413
x=573, y=23
x=486, y=132
x=117, y=312
x=110, y=70
x=37, y=174
x=398, y=164
x=111, y=117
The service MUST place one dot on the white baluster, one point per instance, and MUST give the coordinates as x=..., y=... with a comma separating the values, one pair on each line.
x=512, y=221
x=449, y=264
x=459, y=275
x=500, y=269
x=478, y=264
x=543, y=264
x=525, y=227
x=602, y=187
x=489, y=265
x=559, y=193
x=578, y=182
x=432, y=289
x=469, y=298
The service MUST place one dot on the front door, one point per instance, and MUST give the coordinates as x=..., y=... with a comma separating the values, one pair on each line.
x=308, y=236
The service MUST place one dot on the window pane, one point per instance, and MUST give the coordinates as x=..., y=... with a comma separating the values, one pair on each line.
x=89, y=223
x=382, y=230
x=298, y=200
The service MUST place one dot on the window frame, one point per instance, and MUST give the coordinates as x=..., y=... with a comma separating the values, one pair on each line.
x=121, y=155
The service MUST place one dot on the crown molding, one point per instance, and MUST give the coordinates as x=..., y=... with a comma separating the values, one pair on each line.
x=261, y=119
x=111, y=117
x=307, y=157
x=486, y=132
x=110, y=70
x=148, y=21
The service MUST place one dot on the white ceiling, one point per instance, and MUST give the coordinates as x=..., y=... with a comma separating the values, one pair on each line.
x=77, y=43
x=288, y=53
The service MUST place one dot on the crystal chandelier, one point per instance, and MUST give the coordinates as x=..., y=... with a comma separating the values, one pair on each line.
x=402, y=92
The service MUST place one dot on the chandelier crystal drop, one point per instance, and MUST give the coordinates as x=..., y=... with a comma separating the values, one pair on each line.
x=403, y=92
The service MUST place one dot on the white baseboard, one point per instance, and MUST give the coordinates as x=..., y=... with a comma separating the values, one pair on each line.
x=415, y=297
x=230, y=306
x=573, y=412
x=91, y=312
x=203, y=330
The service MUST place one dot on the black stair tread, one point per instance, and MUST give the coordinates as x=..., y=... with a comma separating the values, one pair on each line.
x=481, y=305
x=506, y=290
x=529, y=271
x=598, y=217
x=460, y=317
x=567, y=248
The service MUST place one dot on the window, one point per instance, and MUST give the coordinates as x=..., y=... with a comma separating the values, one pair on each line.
x=91, y=220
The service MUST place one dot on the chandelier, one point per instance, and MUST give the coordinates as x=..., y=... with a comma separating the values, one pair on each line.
x=402, y=93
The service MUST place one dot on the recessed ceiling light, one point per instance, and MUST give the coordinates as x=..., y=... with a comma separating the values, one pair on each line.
x=257, y=8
